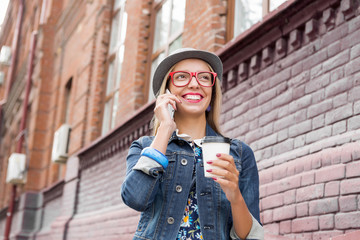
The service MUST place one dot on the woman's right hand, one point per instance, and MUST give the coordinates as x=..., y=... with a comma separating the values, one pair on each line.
x=162, y=112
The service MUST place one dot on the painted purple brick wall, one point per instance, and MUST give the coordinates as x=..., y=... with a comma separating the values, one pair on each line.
x=295, y=101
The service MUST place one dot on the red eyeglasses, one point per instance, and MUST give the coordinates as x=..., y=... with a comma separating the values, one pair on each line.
x=183, y=78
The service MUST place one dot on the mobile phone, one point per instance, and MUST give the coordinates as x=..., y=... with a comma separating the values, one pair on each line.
x=170, y=107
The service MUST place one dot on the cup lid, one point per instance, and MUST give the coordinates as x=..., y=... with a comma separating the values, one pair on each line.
x=215, y=139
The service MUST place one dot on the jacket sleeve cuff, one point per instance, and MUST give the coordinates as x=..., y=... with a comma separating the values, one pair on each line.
x=256, y=231
x=148, y=166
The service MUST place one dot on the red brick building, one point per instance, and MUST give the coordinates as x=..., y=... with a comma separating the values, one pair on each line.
x=291, y=91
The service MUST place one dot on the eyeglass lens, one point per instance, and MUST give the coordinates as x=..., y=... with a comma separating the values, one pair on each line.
x=183, y=78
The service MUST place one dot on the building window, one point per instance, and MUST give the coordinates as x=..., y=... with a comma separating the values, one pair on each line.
x=168, y=30
x=67, y=101
x=246, y=13
x=114, y=63
x=273, y=4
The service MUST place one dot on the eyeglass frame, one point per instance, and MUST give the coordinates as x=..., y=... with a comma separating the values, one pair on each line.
x=193, y=74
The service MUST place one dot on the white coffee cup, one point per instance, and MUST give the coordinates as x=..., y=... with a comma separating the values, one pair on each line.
x=212, y=145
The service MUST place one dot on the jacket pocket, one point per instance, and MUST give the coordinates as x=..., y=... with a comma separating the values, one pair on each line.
x=169, y=172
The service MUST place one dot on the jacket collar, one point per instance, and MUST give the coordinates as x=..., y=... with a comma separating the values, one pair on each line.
x=208, y=132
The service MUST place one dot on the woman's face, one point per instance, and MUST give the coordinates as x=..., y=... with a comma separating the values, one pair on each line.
x=195, y=98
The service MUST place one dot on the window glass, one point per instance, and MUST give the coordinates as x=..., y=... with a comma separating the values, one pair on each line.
x=117, y=4
x=115, y=60
x=175, y=44
x=114, y=109
x=123, y=27
x=162, y=26
x=275, y=3
x=105, y=124
x=177, y=16
x=114, y=31
x=169, y=26
x=120, y=60
x=110, y=78
x=67, y=101
x=247, y=13
x=121, y=50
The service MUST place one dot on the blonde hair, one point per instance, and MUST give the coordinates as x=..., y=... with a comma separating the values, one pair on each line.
x=212, y=117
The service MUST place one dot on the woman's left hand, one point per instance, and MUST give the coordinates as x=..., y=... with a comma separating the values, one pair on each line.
x=228, y=176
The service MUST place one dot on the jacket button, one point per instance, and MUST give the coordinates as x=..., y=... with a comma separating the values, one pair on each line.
x=170, y=220
x=178, y=188
x=183, y=161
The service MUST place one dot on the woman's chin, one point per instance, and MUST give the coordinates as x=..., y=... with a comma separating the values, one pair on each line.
x=191, y=112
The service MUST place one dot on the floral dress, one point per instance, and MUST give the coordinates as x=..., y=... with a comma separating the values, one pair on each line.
x=190, y=224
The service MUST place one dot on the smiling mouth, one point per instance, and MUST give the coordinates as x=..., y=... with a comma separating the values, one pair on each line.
x=192, y=97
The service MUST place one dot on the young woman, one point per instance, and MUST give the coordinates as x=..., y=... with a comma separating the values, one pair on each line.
x=165, y=174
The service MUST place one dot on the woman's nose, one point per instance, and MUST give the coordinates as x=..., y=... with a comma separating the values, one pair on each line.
x=193, y=82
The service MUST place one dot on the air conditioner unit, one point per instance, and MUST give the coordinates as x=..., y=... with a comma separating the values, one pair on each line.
x=61, y=144
x=5, y=55
x=16, y=172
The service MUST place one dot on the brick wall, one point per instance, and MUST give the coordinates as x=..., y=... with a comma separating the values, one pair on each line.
x=50, y=210
x=132, y=84
x=204, y=26
x=295, y=100
x=12, y=106
x=292, y=99
x=291, y=91
x=100, y=169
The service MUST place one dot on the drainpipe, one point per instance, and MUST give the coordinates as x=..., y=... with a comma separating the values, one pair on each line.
x=22, y=129
x=10, y=77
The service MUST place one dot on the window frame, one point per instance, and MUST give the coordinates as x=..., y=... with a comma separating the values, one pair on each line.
x=113, y=57
x=67, y=101
x=156, y=7
x=231, y=15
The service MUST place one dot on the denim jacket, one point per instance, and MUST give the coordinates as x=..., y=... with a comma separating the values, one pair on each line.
x=161, y=195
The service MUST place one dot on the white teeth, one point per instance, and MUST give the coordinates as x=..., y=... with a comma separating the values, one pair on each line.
x=193, y=97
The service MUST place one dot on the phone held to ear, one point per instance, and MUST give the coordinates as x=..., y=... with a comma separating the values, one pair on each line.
x=170, y=107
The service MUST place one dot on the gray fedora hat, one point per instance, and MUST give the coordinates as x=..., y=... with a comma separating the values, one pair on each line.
x=181, y=54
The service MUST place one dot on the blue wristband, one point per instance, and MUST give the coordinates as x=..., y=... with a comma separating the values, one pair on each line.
x=156, y=155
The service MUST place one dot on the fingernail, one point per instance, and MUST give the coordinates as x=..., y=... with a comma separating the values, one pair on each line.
x=218, y=154
x=209, y=162
x=214, y=178
x=209, y=170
